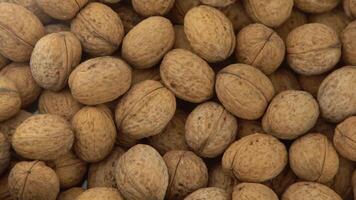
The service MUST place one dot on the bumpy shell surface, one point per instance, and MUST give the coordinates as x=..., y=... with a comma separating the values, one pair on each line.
x=290, y=114
x=53, y=59
x=9, y=126
x=100, y=193
x=141, y=173
x=187, y=173
x=10, y=100
x=139, y=75
x=19, y=32
x=313, y=49
x=249, y=127
x=181, y=41
x=146, y=44
x=95, y=133
x=62, y=10
x=350, y=8
x=237, y=15
x=220, y=179
x=33, y=180
x=128, y=17
x=99, y=29
x=255, y=191
x=145, y=110
x=345, y=138
x=244, y=90
x=349, y=43
x=152, y=7
x=255, y=158
x=210, y=193
x=4, y=153
x=335, y=19
x=261, y=47
x=70, y=194
x=311, y=84
x=318, y=6
x=296, y=19
x=218, y=3
x=180, y=8
x=43, y=136
x=187, y=75
x=284, y=79
x=55, y=28
x=100, y=80
x=310, y=191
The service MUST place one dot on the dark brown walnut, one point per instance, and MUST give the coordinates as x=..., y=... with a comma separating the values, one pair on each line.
x=33, y=180
x=237, y=15
x=281, y=182
x=110, y=1
x=43, y=136
x=100, y=193
x=180, y=8
x=244, y=90
x=309, y=191
x=181, y=41
x=95, y=133
x=218, y=3
x=62, y=10
x=19, y=32
x=4, y=153
x=139, y=75
x=348, y=43
x=335, y=19
x=220, y=179
x=345, y=138
x=248, y=127
x=141, y=173
x=312, y=83
x=209, y=193
x=297, y=18
x=350, y=9
x=318, y=6
x=20, y=74
x=152, y=7
x=70, y=194
x=3, y=61
x=99, y=29
x=9, y=126
x=4, y=187
x=255, y=191
x=128, y=17
x=102, y=174
x=55, y=28
x=284, y=79
x=145, y=110
x=10, y=100
x=100, y=80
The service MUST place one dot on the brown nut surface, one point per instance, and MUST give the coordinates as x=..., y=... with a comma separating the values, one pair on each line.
x=218, y=3
x=33, y=180
x=141, y=173
x=317, y=6
x=10, y=100
x=244, y=90
x=100, y=80
x=255, y=191
x=290, y=114
x=349, y=44
x=335, y=19
x=55, y=28
x=220, y=179
x=152, y=7
x=145, y=45
x=70, y=194
x=284, y=79
x=261, y=47
x=9, y=126
x=345, y=138
x=210, y=129
x=214, y=40
x=350, y=8
x=4, y=153
x=209, y=193
x=311, y=84
x=100, y=193
x=313, y=49
x=248, y=127
x=237, y=15
x=297, y=18
x=181, y=41
x=255, y=158
x=62, y=10
x=310, y=191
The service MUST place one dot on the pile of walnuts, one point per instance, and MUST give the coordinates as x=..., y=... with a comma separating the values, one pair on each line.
x=177, y=99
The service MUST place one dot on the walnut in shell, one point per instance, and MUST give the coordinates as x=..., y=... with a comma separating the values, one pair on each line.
x=70, y=194
x=345, y=137
x=284, y=79
x=10, y=100
x=317, y=6
x=297, y=18
x=152, y=7
x=100, y=193
x=9, y=126
x=62, y=10
x=209, y=193
x=349, y=44
x=335, y=19
x=256, y=191
x=4, y=153
x=309, y=191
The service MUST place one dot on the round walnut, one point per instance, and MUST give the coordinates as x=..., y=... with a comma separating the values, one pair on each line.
x=55, y=28
x=4, y=153
x=345, y=137
x=146, y=44
x=139, y=75
x=145, y=110
x=309, y=191
x=147, y=172
x=100, y=80
x=20, y=32
x=70, y=194
x=349, y=44
x=335, y=19
x=209, y=193
x=218, y=3
x=255, y=191
x=99, y=29
x=237, y=15
x=249, y=127
x=187, y=173
x=9, y=126
x=284, y=79
x=261, y=47
x=316, y=6
x=290, y=114
x=100, y=193
x=128, y=17
x=350, y=9
x=62, y=10
x=210, y=129
x=152, y=7
x=296, y=19
x=181, y=41
x=187, y=75
x=33, y=180
x=255, y=158
x=220, y=179
x=337, y=96
x=53, y=59
x=95, y=133
x=10, y=100
x=43, y=137
x=313, y=49
x=311, y=84
x=313, y=158
x=180, y=8
x=244, y=90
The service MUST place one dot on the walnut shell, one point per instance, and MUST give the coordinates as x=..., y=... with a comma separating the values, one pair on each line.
x=100, y=193
x=152, y=7
x=311, y=84
x=248, y=127
x=100, y=80
x=237, y=15
x=210, y=129
x=261, y=47
x=284, y=79
x=350, y=8
x=295, y=20
x=214, y=40
x=345, y=137
x=180, y=8
x=255, y=191
x=21, y=30
x=145, y=110
x=95, y=133
x=290, y=114
x=139, y=75
x=309, y=191
x=181, y=41
x=218, y=3
x=313, y=49
x=145, y=45
x=348, y=43
x=244, y=90
x=4, y=153
x=187, y=173
x=99, y=29
x=62, y=10
x=335, y=19
x=318, y=6
x=128, y=17
x=9, y=126
x=70, y=194
x=55, y=28
x=255, y=158
x=43, y=136
x=33, y=180
x=141, y=173
x=220, y=179
x=10, y=100
x=209, y=193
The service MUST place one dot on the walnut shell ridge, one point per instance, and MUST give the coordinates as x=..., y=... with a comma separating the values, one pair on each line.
x=345, y=138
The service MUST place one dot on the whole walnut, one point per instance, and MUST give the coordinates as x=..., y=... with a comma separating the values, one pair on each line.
x=350, y=9
x=180, y=8
x=20, y=32
x=128, y=17
x=146, y=43
x=9, y=126
x=100, y=193
x=70, y=194
x=255, y=158
x=296, y=19
x=95, y=133
x=33, y=180
x=313, y=158
x=210, y=129
x=145, y=110
x=261, y=47
x=335, y=19
x=53, y=59
x=317, y=6
x=290, y=114
x=187, y=173
x=312, y=83
x=214, y=40
x=139, y=75
x=99, y=29
x=100, y=80
x=209, y=193
x=141, y=173
x=281, y=182
x=10, y=100
x=237, y=15
x=152, y=7
x=43, y=136
x=336, y=95
x=4, y=153
x=284, y=79
x=309, y=191
x=220, y=179
x=181, y=41
x=349, y=44
x=218, y=3
x=244, y=90
x=313, y=49
x=271, y=13
x=248, y=127
x=55, y=28
x=344, y=137
x=255, y=191
x=62, y=10
x=187, y=75
x=20, y=74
